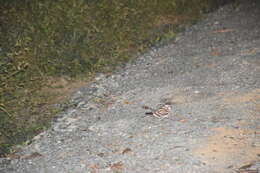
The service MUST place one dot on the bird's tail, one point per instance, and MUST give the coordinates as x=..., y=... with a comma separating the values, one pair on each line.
x=148, y=113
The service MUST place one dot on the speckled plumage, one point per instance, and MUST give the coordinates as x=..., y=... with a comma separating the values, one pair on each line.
x=161, y=112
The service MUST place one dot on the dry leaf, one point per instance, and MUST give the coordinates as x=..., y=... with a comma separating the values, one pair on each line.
x=13, y=156
x=247, y=171
x=33, y=155
x=145, y=107
x=211, y=65
x=252, y=51
x=117, y=166
x=101, y=154
x=215, y=53
x=183, y=120
x=127, y=150
x=94, y=166
x=223, y=31
x=126, y=102
x=246, y=166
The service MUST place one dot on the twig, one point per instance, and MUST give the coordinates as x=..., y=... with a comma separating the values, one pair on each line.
x=2, y=107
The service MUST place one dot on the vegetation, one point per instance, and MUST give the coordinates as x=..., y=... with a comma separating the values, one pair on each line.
x=44, y=44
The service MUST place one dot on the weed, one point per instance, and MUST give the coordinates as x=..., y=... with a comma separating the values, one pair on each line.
x=42, y=40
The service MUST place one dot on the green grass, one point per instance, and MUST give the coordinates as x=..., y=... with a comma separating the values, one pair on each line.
x=42, y=40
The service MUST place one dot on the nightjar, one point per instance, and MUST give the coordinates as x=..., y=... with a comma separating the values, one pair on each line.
x=161, y=112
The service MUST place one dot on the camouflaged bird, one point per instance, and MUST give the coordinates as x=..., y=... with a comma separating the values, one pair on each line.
x=161, y=112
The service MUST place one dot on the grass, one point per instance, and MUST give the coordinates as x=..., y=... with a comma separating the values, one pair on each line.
x=50, y=48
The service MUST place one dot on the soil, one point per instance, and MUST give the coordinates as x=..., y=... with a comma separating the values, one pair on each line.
x=211, y=75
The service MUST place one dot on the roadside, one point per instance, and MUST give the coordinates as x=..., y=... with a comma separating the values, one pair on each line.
x=210, y=73
x=48, y=50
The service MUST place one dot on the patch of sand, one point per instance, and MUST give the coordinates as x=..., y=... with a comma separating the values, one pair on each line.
x=252, y=96
x=60, y=88
x=229, y=147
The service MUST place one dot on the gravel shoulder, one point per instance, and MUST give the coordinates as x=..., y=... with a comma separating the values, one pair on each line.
x=211, y=73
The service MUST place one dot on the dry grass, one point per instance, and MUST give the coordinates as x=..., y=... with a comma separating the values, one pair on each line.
x=48, y=47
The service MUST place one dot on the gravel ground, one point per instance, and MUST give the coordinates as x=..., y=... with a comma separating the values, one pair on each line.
x=211, y=74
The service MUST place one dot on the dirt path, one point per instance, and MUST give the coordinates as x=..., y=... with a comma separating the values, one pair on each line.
x=212, y=75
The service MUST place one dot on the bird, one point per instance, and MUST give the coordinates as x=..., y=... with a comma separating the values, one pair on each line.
x=161, y=112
